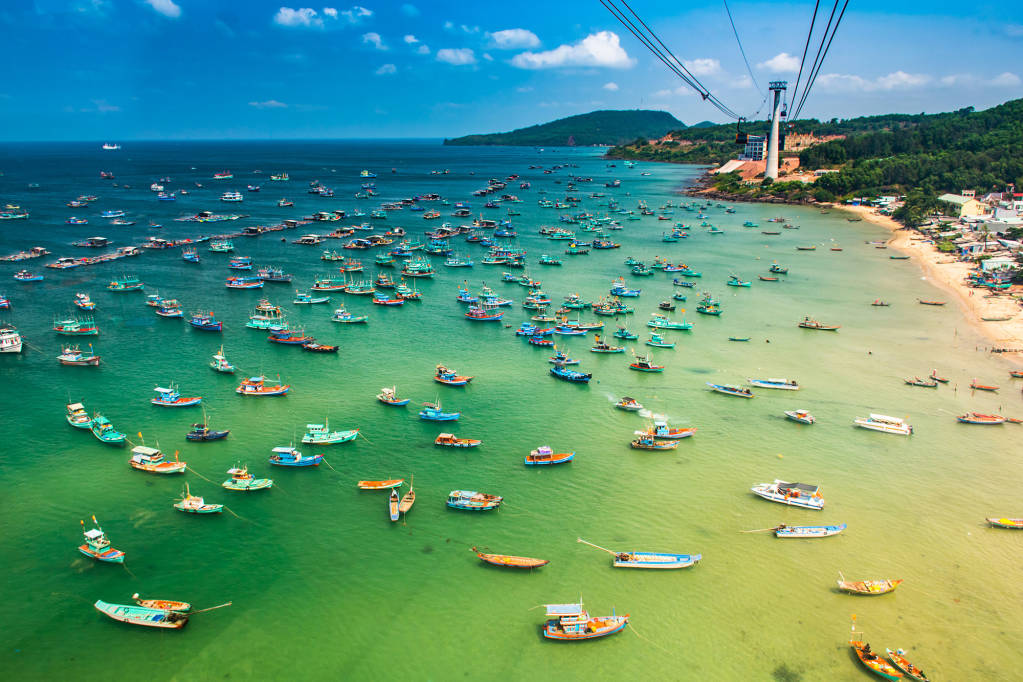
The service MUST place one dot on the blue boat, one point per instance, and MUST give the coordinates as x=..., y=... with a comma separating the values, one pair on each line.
x=560, y=372
x=170, y=397
x=560, y=358
x=434, y=412
x=287, y=456
x=473, y=501
x=784, y=531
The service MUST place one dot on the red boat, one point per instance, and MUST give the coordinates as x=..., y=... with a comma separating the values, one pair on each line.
x=511, y=561
x=291, y=338
x=982, y=387
x=449, y=377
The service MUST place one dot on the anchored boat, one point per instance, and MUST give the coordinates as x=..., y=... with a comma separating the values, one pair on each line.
x=192, y=504
x=544, y=455
x=140, y=615
x=241, y=480
x=97, y=545
x=288, y=456
x=320, y=434
x=473, y=501
x=802, y=495
x=884, y=424
x=510, y=561
x=569, y=622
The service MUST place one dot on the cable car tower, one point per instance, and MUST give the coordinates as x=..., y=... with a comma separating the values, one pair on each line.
x=777, y=87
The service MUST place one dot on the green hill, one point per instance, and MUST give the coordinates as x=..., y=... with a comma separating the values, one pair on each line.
x=594, y=128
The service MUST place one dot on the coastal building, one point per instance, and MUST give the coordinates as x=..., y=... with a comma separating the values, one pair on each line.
x=756, y=148
x=966, y=202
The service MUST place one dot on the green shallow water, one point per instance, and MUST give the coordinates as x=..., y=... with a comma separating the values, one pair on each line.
x=325, y=586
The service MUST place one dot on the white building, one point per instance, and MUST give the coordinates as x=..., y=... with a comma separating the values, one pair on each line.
x=756, y=148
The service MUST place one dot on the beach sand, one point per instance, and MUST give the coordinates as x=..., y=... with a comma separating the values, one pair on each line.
x=949, y=275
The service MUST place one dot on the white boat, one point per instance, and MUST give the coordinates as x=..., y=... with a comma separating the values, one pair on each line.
x=802, y=495
x=320, y=434
x=784, y=531
x=10, y=340
x=111, y=147
x=783, y=384
x=156, y=187
x=885, y=424
x=801, y=416
x=231, y=197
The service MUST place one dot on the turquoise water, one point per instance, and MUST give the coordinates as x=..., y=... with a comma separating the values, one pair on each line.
x=324, y=585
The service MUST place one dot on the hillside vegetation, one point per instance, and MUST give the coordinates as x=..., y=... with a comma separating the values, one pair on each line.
x=595, y=128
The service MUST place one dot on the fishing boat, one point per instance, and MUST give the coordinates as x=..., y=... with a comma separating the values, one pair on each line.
x=257, y=386
x=97, y=545
x=449, y=377
x=802, y=495
x=623, y=333
x=26, y=276
x=648, y=443
x=561, y=372
x=242, y=481
x=288, y=456
x=388, y=396
x=343, y=316
x=320, y=434
x=868, y=587
x=925, y=383
x=807, y=323
x=569, y=622
x=139, y=615
x=126, y=283
x=219, y=363
x=739, y=338
x=642, y=363
x=977, y=418
x=392, y=505
x=381, y=485
x=190, y=255
x=654, y=560
x=434, y=412
x=884, y=424
x=660, y=429
x=77, y=416
x=561, y=358
x=408, y=499
x=84, y=302
x=925, y=302
x=785, y=531
x=875, y=663
x=657, y=341
x=781, y=384
x=601, y=346
x=806, y=248
x=544, y=455
x=509, y=560
x=73, y=326
x=202, y=432
x=1016, y=374
x=170, y=308
x=982, y=387
x=151, y=460
x=451, y=441
x=206, y=321
x=1016, y=524
x=659, y=321
x=473, y=501
x=105, y=431
x=768, y=279
x=314, y=347
x=170, y=397
x=898, y=659
x=801, y=416
x=934, y=375
x=778, y=269
x=734, y=281
x=74, y=357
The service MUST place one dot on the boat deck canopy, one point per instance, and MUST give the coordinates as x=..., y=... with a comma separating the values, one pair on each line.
x=285, y=449
x=145, y=450
x=76, y=406
x=564, y=609
x=93, y=533
x=805, y=487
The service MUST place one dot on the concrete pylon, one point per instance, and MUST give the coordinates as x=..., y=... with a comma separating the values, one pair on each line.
x=777, y=87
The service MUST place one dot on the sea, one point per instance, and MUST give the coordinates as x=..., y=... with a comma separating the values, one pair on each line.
x=323, y=585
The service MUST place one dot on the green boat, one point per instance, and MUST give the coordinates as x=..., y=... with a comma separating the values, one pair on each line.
x=657, y=341
x=243, y=481
x=623, y=333
x=384, y=259
x=630, y=261
x=642, y=271
x=709, y=309
x=549, y=260
x=662, y=322
x=126, y=283
x=686, y=272
x=575, y=249
x=738, y=338
x=140, y=615
x=222, y=246
x=105, y=431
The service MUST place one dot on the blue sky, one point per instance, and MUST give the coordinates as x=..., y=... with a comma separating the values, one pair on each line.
x=174, y=69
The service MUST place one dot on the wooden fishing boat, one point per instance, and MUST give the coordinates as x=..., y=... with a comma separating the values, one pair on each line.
x=655, y=560
x=924, y=302
x=978, y=418
x=162, y=604
x=449, y=377
x=381, y=485
x=288, y=456
x=105, y=431
x=601, y=346
x=74, y=326
x=778, y=269
x=451, y=441
x=305, y=298
x=801, y=416
x=806, y=248
x=192, y=504
x=898, y=659
x=544, y=455
x=868, y=587
x=73, y=356
x=510, y=561
x=206, y=322
x=875, y=663
x=320, y=434
x=648, y=443
x=1016, y=524
x=802, y=495
x=77, y=416
x=473, y=501
x=561, y=358
x=781, y=384
x=878, y=303
x=388, y=396
x=807, y=323
x=739, y=338
x=241, y=480
x=169, y=397
x=561, y=372
x=768, y=279
x=151, y=460
x=571, y=623
x=730, y=389
x=139, y=615
x=257, y=386
x=785, y=531
x=982, y=387
x=202, y=432
x=628, y=404
x=345, y=317
x=84, y=302
x=1016, y=374
x=934, y=375
x=917, y=381
x=408, y=499
x=392, y=505
x=642, y=363
x=97, y=545
x=434, y=412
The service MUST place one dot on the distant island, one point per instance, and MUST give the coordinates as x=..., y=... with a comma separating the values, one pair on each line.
x=604, y=128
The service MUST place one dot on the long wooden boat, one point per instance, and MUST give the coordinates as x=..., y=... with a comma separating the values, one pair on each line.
x=407, y=500
x=661, y=430
x=392, y=505
x=982, y=387
x=473, y=501
x=193, y=504
x=1006, y=523
x=450, y=440
x=898, y=659
x=924, y=383
x=510, y=561
x=784, y=531
x=924, y=302
x=381, y=485
x=875, y=663
x=544, y=455
x=869, y=587
x=140, y=615
x=571, y=623
x=807, y=323
x=242, y=481
x=647, y=443
x=655, y=560
x=162, y=604
x=728, y=389
x=977, y=418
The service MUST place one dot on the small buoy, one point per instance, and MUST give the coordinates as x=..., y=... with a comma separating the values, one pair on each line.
x=781, y=456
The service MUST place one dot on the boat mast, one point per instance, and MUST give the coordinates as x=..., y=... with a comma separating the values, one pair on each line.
x=613, y=553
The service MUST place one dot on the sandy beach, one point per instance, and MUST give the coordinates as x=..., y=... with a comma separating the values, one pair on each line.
x=949, y=275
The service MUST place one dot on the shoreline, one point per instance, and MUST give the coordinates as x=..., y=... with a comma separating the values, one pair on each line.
x=949, y=275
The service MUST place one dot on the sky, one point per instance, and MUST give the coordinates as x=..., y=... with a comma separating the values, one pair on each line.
x=218, y=69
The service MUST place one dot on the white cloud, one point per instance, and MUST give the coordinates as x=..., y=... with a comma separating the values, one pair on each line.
x=1005, y=80
x=410, y=10
x=92, y=6
x=374, y=39
x=305, y=16
x=330, y=12
x=782, y=62
x=742, y=82
x=269, y=104
x=462, y=56
x=411, y=39
x=356, y=14
x=386, y=70
x=612, y=86
x=487, y=57
x=165, y=7
x=682, y=90
x=597, y=49
x=897, y=80
x=702, y=67
x=449, y=26
x=957, y=79
x=423, y=49
x=513, y=39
